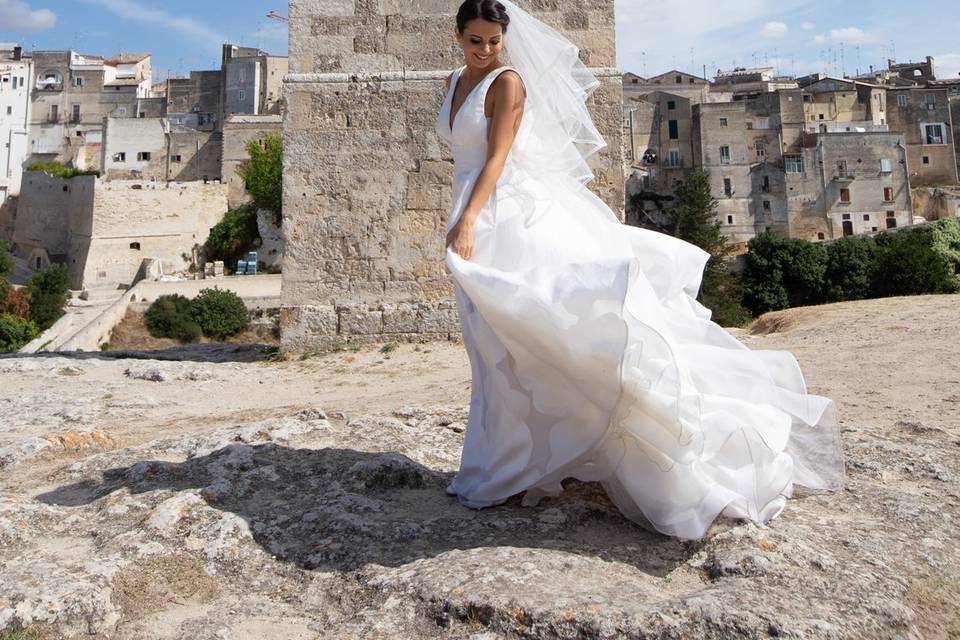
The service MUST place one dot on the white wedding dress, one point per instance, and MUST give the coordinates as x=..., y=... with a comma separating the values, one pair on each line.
x=592, y=359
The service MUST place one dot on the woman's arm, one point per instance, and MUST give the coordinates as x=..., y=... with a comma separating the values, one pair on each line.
x=508, y=100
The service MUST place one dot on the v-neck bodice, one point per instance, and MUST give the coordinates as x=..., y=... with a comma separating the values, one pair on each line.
x=466, y=132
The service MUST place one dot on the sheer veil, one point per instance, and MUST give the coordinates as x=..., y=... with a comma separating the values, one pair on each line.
x=557, y=135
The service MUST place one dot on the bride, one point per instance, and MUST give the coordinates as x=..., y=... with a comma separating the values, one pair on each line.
x=590, y=356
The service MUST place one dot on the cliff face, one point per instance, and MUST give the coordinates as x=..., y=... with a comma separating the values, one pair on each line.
x=148, y=499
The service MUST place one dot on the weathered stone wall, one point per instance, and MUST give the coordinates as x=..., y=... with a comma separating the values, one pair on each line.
x=238, y=130
x=367, y=181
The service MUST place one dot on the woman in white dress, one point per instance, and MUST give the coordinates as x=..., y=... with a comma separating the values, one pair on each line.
x=591, y=357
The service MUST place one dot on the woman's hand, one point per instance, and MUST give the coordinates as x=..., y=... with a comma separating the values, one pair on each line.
x=460, y=237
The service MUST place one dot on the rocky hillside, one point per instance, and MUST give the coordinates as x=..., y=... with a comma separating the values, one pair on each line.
x=225, y=495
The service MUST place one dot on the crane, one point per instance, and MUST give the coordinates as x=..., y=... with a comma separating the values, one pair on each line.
x=279, y=17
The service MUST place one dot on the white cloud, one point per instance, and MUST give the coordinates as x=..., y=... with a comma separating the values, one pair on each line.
x=774, y=30
x=948, y=65
x=847, y=35
x=133, y=10
x=666, y=30
x=808, y=26
x=18, y=16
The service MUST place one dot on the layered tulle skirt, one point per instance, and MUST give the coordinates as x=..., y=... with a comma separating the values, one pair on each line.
x=592, y=359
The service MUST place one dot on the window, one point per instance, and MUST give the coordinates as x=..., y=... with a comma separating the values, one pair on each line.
x=724, y=154
x=729, y=219
x=135, y=246
x=842, y=168
x=934, y=133
x=75, y=115
x=820, y=116
x=679, y=79
x=674, y=127
x=891, y=220
x=761, y=150
x=866, y=217
x=120, y=157
x=766, y=205
x=723, y=122
x=122, y=111
x=888, y=194
x=885, y=165
x=793, y=163
x=727, y=187
x=674, y=159
x=845, y=196
x=931, y=102
x=671, y=104
x=820, y=236
x=765, y=184
x=243, y=94
x=807, y=98
x=846, y=216
x=14, y=82
x=143, y=156
x=176, y=158
x=78, y=82
x=9, y=111
x=54, y=113
x=902, y=100
x=926, y=159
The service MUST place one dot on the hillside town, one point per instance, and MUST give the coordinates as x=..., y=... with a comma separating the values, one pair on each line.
x=813, y=157
x=156, y=162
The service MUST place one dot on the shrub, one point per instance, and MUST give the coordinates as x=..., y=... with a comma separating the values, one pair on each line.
x=16, y=302
x=220, y=313
x=15, y=333
x=49, y=292
x=850, y=266
x=764, y=289
x=5, y=290
x=169, y=317
x=908, y=263
x=6, y=261
x=804, y=270
x=59, y=170
x=233, y=236
x=946, y=240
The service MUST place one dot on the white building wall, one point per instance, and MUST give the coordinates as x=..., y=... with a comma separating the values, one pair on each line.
x=16, y=78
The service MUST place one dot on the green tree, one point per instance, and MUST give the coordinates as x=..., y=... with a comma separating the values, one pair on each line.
x=15, y=332
x=764, y=289
x=169, y=317
x=6, y=260
x=850, y=264
x=49, y=292
x=692, y=217
x=907, y=263
x=263, y=175
x=233, y=236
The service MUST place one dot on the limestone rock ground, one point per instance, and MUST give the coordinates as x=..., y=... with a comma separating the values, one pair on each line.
x=225, y=496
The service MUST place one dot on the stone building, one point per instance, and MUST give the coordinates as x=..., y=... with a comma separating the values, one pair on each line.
x=366, y=179
x=925, y=117
x=252, y=81
x=105, y=230
x=72, y=95
x=678, y=83
x=16, y=76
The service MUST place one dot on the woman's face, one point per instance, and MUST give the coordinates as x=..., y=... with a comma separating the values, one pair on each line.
x=481, y=41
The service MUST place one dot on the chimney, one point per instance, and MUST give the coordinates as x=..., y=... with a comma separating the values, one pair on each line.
x=17, y=54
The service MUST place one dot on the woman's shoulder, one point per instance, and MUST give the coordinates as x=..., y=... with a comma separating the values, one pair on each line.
x=508, y=79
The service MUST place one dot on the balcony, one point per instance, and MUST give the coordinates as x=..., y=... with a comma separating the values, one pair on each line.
x=50, y=83
x=844, y=177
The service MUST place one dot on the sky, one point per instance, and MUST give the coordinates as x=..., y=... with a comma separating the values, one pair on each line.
x=653, y=36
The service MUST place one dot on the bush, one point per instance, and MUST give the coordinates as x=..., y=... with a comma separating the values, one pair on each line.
x=59, y=170
x=169, y=317
x=907, y=263
x=5, y=290
x=15, y=333
x=220, y=313
x=764, y=289
x=6, y=261
x=234, y=236
x=850, y=266
x=945, y=235
x=16, y=302
x=49, y=292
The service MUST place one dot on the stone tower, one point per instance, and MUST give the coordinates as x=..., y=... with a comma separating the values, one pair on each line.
x=367, y=181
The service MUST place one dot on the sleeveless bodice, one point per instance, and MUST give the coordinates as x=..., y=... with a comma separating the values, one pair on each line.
x=467, y=138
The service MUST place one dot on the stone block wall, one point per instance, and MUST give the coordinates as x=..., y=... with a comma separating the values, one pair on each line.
x=366, y=179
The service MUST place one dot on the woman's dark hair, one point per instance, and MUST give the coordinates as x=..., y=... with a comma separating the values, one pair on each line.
x=489, y=10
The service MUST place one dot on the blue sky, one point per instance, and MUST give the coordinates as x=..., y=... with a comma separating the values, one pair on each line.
x=795, y=36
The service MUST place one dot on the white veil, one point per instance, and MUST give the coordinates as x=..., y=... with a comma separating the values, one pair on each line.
x=557, y=134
